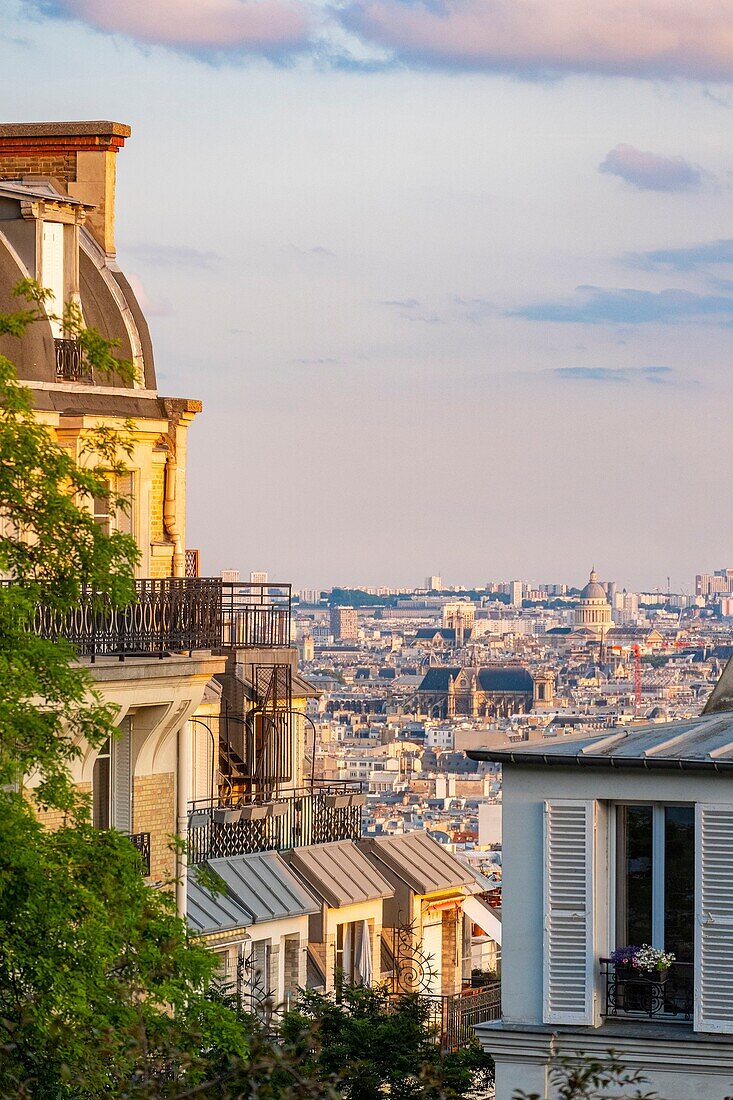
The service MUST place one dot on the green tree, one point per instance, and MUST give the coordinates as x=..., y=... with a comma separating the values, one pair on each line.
x=374, y=1046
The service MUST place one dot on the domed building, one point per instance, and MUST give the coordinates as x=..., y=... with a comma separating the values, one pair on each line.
x=593, y=613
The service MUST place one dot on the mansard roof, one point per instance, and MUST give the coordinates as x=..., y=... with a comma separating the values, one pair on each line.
x=510, y=678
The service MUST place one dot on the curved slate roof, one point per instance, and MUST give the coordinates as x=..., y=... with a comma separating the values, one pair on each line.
x=489, y=678
x=418, y=860
x=339, y=873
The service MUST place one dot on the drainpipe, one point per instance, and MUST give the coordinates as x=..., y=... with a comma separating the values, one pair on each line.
x=182, y=816
x=170, y=517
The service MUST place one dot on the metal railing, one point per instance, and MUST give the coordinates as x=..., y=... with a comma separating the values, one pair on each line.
x=294, y=819
x=452, y=1019
x=255, y=615
x=70, y=363
x=173, y=615
x=632, y=993
x=141, y=841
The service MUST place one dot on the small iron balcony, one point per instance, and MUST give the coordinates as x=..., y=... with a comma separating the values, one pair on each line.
x=70, y=363
x=635, y=994
x=294, y=819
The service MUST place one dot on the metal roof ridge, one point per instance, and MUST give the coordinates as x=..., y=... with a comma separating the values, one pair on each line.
x=605, y=742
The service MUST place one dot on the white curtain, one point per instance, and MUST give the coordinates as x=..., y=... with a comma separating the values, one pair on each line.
x=364, y=958
x=347, y=954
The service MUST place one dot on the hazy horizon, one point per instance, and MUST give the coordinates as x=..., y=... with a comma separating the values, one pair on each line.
x=457, y=296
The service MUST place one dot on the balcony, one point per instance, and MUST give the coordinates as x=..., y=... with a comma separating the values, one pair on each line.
x=309, y=815
x=652, y=997
x=452, y=1019
x=173, y=615
x=141, y=841
x=70, y=363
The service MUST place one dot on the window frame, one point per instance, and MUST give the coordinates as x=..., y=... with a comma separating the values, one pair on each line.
x=658, y=866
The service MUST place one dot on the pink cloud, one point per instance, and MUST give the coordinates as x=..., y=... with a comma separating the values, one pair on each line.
x=203, y=27
x=652, y=172
x=647, y=38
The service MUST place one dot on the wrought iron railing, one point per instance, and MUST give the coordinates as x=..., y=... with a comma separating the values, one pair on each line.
x=70, y=363
x=452, y=1019
x=173, y=615
x=141, y=841
x=308, y=815
x=632, y=993
x=255, y=615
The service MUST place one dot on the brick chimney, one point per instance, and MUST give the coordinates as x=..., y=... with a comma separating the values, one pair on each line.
x=80, y=157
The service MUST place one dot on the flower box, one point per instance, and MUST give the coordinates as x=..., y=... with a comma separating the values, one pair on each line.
x=254, y=812
x=227, y=815
x=357, y=800
x=198, y=818
x=337, y=801
x=276, y=809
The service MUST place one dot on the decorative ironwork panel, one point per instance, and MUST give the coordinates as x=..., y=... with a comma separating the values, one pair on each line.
x=141, y=841
x=70, y=363
x=192, y=563
x=413, y=971
x=631, y=993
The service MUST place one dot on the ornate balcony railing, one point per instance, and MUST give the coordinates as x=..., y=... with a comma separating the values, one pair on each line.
x=173, y=615
x=308, y=815
x=141, y=841
x=628, y=993
x=70, y=363
x=452, y=1019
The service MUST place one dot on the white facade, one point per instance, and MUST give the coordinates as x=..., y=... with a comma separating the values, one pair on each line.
x=563, y=881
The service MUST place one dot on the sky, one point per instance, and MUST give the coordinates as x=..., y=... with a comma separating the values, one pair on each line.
x=452, y=278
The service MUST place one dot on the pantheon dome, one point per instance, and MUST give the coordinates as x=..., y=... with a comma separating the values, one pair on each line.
x=593, y=613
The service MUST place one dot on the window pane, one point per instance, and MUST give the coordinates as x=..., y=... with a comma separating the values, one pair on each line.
x=101, y=792
x=679, y=880
x=634, y=879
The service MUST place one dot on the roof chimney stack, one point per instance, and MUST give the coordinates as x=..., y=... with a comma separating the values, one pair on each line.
x=80, y=157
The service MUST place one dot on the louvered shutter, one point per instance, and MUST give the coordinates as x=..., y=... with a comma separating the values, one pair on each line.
x=568, y=941
x=714, y=918
x=122, y=778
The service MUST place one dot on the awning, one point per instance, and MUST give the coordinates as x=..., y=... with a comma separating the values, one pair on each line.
x=484, y=916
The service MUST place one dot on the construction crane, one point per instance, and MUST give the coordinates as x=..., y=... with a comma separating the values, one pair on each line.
x=637, y=678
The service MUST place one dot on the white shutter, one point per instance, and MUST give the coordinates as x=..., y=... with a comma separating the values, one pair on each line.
x=122, y=778
x=568, y=941
x=52, y=270
x=714, y=918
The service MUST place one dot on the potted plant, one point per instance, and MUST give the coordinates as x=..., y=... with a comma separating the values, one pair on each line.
x=357, y=799
x=337, y=801
x=199, y=818
x=625, y=963
x=653, y=963
x=645, y=963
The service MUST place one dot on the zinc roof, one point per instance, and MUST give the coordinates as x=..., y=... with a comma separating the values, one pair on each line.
x=423, y=864
x=704, y=743
x=256, y=888
x=339, y=873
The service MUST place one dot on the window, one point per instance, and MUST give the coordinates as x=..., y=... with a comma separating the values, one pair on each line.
x=102, y=788
x=655, y=877
x=52, y=271
x=120, y=518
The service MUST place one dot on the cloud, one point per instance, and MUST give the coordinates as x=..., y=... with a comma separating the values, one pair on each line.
x=657, y=376
x=151, y=307
x=402, y=303
x=652, y=172
x=322, y=362
x=640, y=38
x=208, y=29
x=595, y=305
x=317, y=250
x=171, y=255
x=684, y=259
